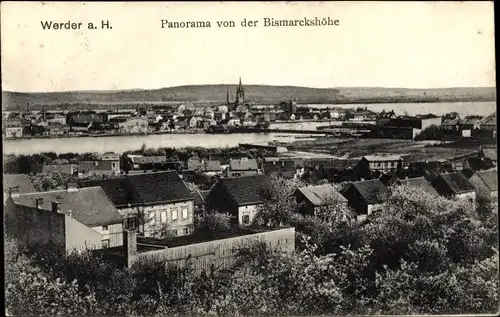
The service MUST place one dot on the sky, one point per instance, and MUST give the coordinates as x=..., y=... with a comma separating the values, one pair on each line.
x=377, y=44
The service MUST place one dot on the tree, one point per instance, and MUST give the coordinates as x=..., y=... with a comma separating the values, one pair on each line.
x=279, y=202
x=213, y=222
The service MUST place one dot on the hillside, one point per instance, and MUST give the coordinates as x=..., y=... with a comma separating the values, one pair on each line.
x=255, y=93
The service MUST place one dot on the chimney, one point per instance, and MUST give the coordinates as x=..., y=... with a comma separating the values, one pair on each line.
x=72, y=187
x=14, y=191
x=56, y=206
x=130, y=246
x=70, y=213
x=38, y=202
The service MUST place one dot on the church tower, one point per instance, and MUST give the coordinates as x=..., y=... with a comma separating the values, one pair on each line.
x=240, y=94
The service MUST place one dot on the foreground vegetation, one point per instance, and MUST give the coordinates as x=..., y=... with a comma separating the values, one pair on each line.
x=421, y=254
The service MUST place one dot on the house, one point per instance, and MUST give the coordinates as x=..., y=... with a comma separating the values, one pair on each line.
x=366, y=197
x=159, y=199
x=489, y=153
x=283, y=168
x=194, y=120
x=57, y=119
x=240, y=197
x=212, y=167
x=242, y=167
x=181, y=123
x=313, y=198
x=140, y=162
x=106, y=164
x=57, y=129
x=454, y=185
x=132, y=125
x=194, y=163
x=81, y=127
x=18, y=183
x=14, y=132
x=419, y=182
x=76, y=218
x=384, y=164
x=485, y=183
x=69, y=169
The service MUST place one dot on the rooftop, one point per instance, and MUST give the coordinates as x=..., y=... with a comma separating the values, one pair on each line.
x=457, y=182
x=321, y=195
x=383, y=158
x=18, y=180
x=422, y=183
x=245, y=164
x=146, y=188
x=90, y=206
x=490, y=178
x=246, y=190
x=373, y=191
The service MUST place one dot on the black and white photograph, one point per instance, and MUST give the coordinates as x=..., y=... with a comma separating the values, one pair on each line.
x=249, y=158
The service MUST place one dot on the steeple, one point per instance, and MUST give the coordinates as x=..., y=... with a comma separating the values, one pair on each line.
x=227, y=96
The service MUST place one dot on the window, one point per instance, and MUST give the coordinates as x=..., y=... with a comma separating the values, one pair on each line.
x=174, y=214
x=184, y=213
x=185, y=230
x=246, y=219
x=163, y=217
x=113, y=165
x=105, y=227
x=174, y=232
x=152, y=216
x=105, y=243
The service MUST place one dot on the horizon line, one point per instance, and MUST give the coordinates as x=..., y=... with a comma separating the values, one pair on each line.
x=269, y=85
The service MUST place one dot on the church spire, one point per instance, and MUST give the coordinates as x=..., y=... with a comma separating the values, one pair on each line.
x=227, y=96
x=240, y=86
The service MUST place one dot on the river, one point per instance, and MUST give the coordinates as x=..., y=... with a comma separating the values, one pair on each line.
x=121, y=144
x=124, y=143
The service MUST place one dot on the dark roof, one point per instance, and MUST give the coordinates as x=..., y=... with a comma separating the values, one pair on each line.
x=490, y=178
x=321, y=195
x=18, y=180
x=90, y=206
x=146, y=188
x=420, y=182
x=372, y=191
x=457, y=182
x=246, y=190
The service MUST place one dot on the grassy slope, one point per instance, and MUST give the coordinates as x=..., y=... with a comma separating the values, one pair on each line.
x=255, y=93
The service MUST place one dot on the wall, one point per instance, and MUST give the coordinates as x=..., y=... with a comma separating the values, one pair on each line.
x=14, y=132
x=247, y=210
x=242, y=173
x=219, y=253
x=33, y=227
x=153, y=215
x=469, y=195
x=114, y=234
x=80, y=237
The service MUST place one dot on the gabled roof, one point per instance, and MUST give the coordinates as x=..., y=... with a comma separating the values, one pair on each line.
x=140, y=159
x=489, y=120
x=243, y=164
x=212, y=166
x=322, y=195
x=456, y=182
x=383, y=158
x=490, y=178
x=490, y=153
x=18, y=180
x=246, y=190
x=90, y=206
x=372, y=191
x=420, y=182
x=146, y=188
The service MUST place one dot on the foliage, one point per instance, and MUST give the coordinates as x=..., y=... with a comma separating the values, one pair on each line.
x=432, y=132
x=213, y=222
x=419, y=255
x=57, y=180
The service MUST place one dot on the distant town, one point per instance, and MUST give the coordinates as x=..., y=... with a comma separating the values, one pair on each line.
x=239, y=115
